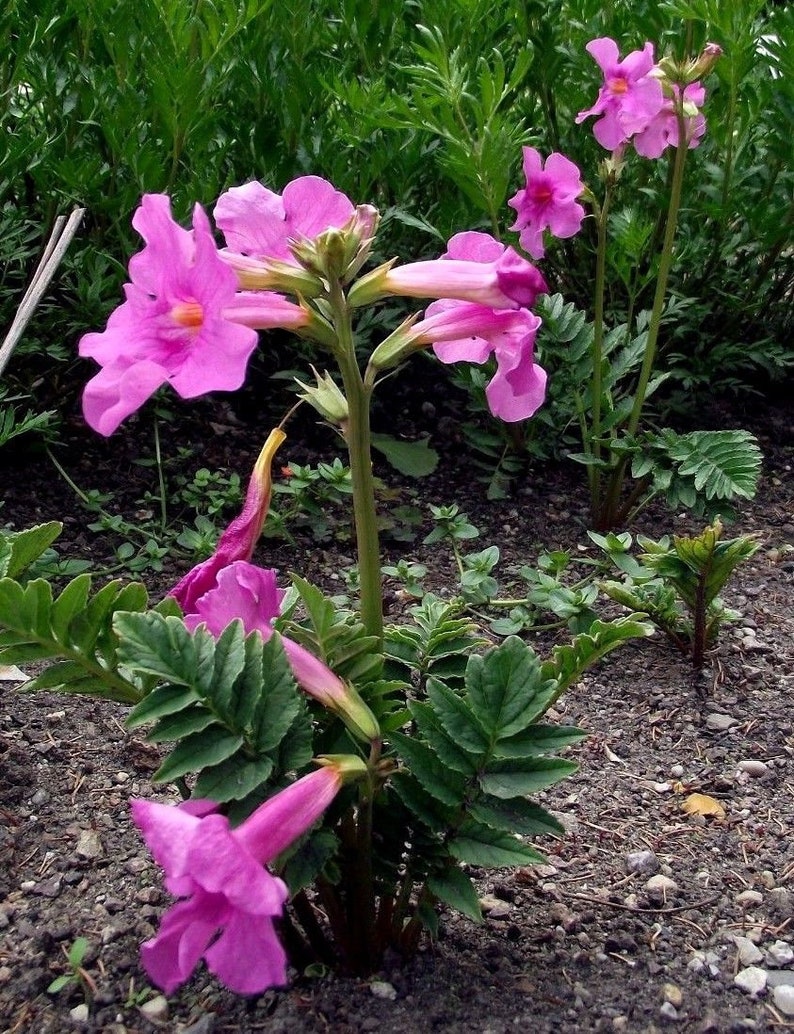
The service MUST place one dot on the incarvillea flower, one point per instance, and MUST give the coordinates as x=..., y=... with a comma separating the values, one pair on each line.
x=548, y=201
x=183, y=323
x=663, y=130
x=472, y=331
x=228, y=900
x=630, y=97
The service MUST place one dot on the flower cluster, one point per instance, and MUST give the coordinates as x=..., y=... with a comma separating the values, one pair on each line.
x=641, y=102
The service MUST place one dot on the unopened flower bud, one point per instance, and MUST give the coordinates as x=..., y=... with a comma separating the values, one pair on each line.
x=704, y=63
x=325, y=397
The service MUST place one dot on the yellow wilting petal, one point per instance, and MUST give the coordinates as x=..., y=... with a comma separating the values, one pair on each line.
x=702, y=804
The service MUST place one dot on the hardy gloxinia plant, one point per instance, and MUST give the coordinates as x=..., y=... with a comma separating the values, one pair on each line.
x=249, y=695
x=229, y=901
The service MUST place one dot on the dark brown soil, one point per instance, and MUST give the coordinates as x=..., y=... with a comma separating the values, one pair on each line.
x=579, y=945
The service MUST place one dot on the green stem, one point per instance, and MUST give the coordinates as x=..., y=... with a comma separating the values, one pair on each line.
x=358, y=444
x=160, y=478
x=606, y=513
x=592, y=443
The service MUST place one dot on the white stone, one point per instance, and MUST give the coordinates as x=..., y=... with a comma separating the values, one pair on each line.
x=749, y=953
x=756, y=769
x=751, y=980
x=89, y=845
x=783, y=997
x=642, y=862
x=780, y=953
x=383, y=989
x=747, y=898
x=156, y=1009
x=661, y=886
x=719, y=722
x=80, y=1013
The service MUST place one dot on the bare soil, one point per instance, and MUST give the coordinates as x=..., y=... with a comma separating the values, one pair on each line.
x=581, y=944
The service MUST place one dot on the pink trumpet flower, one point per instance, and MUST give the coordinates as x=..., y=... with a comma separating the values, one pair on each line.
x=548, y=201
x=475, y=268
x=630, y=97
x=260, y=223
x=182, y=323
x=229, y=901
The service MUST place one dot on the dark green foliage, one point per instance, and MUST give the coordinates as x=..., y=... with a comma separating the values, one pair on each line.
x=231, y=704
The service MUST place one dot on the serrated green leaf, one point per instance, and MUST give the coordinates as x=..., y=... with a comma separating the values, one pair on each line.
x=442, y=783
x=198, y=751
x=457, y=718
x=477, y=844
x=454, y=887
x=182, y=723
x=58, y=676
x=520, y=777
x=279, y=702
x=420, y=803
x=233, y=779
x=162, y=646
x=445, y=746
x=26, y=546
x=506, y=688
x=228, y=662
x=539, y=739
x=69, y=603
x=162, y=701
x=515, y=815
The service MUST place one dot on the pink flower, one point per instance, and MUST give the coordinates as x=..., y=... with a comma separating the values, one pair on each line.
x=258, y=222
x=178, y=324
x=630, y=97
x=475, y=268
x=229, y=900
x=463, y=332
x=238, y=540
x=547, y=201
x=662, y=131
x=249, y=593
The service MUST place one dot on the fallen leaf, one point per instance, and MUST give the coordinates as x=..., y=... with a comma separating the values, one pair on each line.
x=702, y=804
x=11, y=673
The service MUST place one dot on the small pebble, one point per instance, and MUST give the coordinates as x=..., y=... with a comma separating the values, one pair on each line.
x=156, y=1009
x=668, y=1012
x=749, y=953
x=719, y=722
x=748, y=898
x=676, y=771
x=89, y=845
x=661, y=887
x=752, y=980
x=756, y=769
x=383, y=989
x=80, y=1013
x=779, y=954
x=642, y=862
x=672, y=993
x=783, y=997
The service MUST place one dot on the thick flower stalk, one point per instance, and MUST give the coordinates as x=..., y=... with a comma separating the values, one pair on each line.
x=229, y=901
x=548, y=201
x=631, y=95
x=183, y=322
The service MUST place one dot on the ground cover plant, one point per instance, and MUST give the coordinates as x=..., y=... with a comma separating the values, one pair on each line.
x=354, y=768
